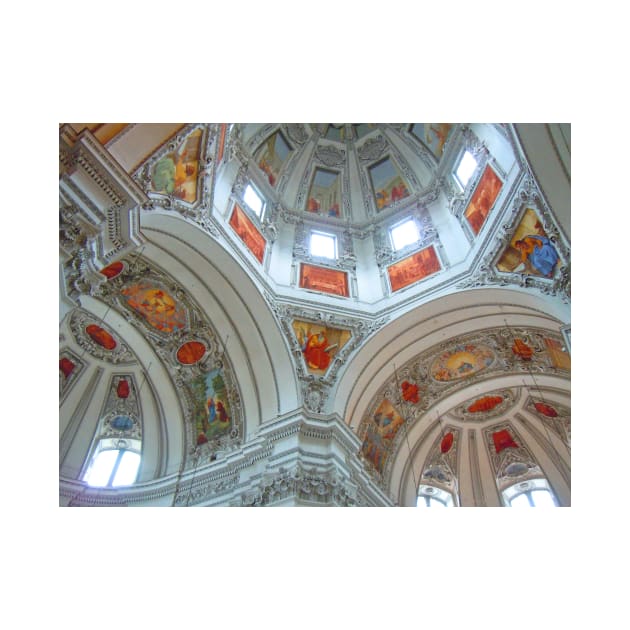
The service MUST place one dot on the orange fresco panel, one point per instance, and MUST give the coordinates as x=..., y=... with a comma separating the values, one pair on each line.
x=248, y=233
x=559, y=357
x=326, y=280
x=221, y=142
x=413, y=268
x=483, y=199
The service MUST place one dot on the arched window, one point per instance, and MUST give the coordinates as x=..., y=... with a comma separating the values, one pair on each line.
x=115, y=463
x=530, y=493
x=431, y=496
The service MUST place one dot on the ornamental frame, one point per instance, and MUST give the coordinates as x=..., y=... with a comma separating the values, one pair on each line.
x=200, y=210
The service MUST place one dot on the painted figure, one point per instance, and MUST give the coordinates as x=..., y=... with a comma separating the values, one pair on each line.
x=538, y=251
x=521, y=349
x=212, y=412
x=316, y=351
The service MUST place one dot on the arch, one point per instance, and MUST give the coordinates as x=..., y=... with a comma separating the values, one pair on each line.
x=237, y=310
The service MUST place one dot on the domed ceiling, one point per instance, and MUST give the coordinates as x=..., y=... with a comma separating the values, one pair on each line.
x=188, y=266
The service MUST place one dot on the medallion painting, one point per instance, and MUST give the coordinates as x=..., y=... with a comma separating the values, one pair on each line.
x=413, y=268
x=387, y=183
x=246, y=230
x=176, y=173
x=156, y=306
x=326, y=280
x=271, y=156
x=530, y=251
x=460, y=362
x=382, y=429
x=212, y=416
x=324, y=196
x=433, y=135
x=483, y=199
x=319, y=344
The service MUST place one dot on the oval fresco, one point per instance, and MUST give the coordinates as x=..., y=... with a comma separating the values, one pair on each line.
x=100, y=336
x=111, y=271
x=122, y=423
x=460, y=362
x=156, y=305
x=190, y=352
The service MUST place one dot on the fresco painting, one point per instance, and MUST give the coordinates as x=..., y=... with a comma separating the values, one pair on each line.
x=222, y=134
x=483, y=199
x=560, y=358
x=433, y=135
x=319, y=344
x=323, y=279
x=101, y=337
x=271, y=156
x=410, y=392
x=324, y=196
x=111, y=271
x=502, y=440
x=460, y=362
x=176, y=173
x=156, y=306
x=247, y=232
x=381, y=431
x=447, y=443
x=66, y=366
x=191, y=352
x=413, y=268
x=486, y=403
x=530, y=250
x=211, y=412
x=522, y=350
x=387, y=183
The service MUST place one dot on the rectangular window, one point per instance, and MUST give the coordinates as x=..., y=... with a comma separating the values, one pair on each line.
x=323, y=245
x=253, y=200
x=466, y=168
x=404, y=234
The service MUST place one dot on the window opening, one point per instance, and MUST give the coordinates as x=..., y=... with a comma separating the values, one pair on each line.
x=323, y=245
x=253, y=200
x=404, y=234
x=431, y=496
x=114, y=464
x=531, y=493
x=466, y=168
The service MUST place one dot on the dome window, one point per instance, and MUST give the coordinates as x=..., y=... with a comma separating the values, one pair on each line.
x=404, y=233
x=431, y=496
x=323, y=245
x=531, y=493
x=466, y=168
x=115, y=463
x=254, y=201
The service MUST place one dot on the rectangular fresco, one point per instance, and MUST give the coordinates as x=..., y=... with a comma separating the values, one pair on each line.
x=176, y=173
x=387, y=183
x=324, y=196
x=381, y=430
x=413, y=268
x=433, y=135
x=326, y=280
x=247, y=232
x=222, y=134
x=319, y=344
x=271, y=155
x=560, y=358
x=211, y=412
x=530, y=251
x=483, y=199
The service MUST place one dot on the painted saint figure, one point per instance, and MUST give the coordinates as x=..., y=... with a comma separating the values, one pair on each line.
x=539, y=253
x=316, y=351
